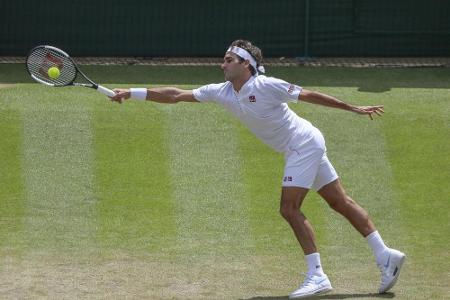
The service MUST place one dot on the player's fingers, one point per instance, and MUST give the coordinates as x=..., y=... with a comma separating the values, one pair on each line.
x=116, y=91
x=379, y=109
x=118, y=96
x=119, y=93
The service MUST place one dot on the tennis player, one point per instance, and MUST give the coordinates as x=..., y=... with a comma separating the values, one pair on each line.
x=260, y=102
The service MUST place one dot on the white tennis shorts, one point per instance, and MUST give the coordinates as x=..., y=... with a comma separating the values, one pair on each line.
x=308, y=166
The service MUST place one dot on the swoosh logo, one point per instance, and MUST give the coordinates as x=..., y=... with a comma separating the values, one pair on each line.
x=387, y=263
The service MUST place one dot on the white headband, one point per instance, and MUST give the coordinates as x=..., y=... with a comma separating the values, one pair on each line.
x=245, y=55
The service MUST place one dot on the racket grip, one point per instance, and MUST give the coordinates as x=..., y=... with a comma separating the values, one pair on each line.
x=105, y=91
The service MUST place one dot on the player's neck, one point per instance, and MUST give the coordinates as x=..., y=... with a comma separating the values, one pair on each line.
x=239, y=82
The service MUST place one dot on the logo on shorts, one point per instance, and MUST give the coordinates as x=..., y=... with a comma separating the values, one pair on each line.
x=252, y=98
x=287, y=178
x=291, y=89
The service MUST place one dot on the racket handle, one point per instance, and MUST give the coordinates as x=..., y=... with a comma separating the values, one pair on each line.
x=105, y=91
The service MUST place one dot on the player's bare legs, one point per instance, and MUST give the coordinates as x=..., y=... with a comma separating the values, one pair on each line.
x=316, y=282
x=335, y=195
x=388, y=260
x=291, y=201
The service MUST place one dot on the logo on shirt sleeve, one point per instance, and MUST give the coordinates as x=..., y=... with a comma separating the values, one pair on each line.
x=291, y=89
x=252, y=98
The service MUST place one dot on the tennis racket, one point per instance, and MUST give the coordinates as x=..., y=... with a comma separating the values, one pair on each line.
x=42, y=58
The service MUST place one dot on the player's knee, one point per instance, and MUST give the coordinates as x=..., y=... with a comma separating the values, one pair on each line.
x=288, y=211
x=285, y=213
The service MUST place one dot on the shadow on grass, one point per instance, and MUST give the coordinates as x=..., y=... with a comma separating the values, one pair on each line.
x=330, y=296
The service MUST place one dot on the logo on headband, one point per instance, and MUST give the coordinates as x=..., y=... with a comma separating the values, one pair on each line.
x=252, y=98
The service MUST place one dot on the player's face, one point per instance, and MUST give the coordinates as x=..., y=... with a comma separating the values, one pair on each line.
x=232, y=67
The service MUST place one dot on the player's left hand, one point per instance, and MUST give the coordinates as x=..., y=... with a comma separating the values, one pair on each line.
x=369, y=110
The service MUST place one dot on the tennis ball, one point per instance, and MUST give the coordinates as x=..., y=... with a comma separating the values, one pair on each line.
x=53, y=72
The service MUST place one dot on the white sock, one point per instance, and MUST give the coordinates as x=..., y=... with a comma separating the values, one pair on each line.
x=376, y=243
x=314, y=265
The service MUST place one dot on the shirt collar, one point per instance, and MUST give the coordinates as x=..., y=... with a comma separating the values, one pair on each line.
x=247, y=84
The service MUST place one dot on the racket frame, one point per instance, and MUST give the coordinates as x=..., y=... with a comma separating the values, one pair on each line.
x=91, y=83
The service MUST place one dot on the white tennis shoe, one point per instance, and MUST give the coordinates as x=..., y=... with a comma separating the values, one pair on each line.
x=313, y=285
x=390, y=269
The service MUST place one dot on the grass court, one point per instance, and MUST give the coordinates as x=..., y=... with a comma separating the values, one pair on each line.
x=150, y=201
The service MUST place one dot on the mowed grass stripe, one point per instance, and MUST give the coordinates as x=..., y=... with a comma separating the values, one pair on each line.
x=418, y=149
x=60, y=205
x=135, y=209
x=11, y=178
x=215, y=248
x=205, y=171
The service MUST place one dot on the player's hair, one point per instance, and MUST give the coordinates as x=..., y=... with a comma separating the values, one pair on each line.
x=252, y=49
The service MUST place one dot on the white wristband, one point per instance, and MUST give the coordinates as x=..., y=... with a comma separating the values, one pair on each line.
x=138, y=93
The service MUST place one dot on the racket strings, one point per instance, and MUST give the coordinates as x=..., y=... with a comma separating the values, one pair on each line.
x=42, y=59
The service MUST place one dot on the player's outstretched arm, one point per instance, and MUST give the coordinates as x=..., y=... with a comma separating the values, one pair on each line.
x=330, y=101
x=168, y=95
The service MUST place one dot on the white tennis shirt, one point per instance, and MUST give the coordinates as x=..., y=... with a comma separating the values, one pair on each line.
x=261, y=105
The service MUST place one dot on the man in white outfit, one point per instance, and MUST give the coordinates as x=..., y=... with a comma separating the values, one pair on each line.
x=260, y=102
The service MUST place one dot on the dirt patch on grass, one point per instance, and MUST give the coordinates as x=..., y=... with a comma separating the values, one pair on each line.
x=228, y=276
x=138, y=278
x=6, y=85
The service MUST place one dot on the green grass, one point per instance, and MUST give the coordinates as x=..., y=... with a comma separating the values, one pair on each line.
x=151, y=201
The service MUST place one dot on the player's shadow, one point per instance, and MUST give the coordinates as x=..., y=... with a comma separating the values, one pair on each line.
x=330, y=296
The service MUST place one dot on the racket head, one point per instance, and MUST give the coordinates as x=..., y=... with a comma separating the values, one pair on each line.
x=42, y=58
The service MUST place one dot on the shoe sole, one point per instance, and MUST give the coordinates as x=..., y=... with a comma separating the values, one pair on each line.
x=394, y=281
x=316, y=293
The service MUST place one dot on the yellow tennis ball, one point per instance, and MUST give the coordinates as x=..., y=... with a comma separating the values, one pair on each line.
x=53, y=72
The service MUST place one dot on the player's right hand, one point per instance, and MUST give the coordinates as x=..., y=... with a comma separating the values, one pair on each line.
x=121, y=95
